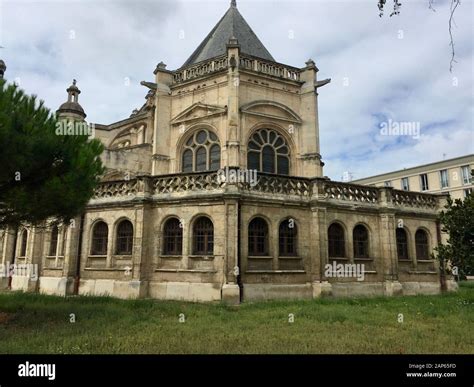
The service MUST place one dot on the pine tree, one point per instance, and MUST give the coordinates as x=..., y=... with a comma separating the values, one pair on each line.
x=42, y=175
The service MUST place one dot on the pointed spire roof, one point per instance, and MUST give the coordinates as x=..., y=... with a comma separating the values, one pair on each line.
x=232, y=24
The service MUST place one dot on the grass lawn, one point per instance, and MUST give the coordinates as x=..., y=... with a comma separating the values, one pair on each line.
x=32, y=323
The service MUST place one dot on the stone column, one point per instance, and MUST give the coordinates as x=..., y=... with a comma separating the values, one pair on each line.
x=161, y=131
x=309, y=133
x=388, y=243
x=230, y=287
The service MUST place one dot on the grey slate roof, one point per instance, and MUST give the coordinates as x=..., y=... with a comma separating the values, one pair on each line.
x=232, y=24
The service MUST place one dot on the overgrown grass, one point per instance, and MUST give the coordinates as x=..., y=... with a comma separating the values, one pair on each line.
x=32, y=323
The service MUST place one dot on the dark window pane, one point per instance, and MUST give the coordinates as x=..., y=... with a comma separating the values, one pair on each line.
x=257, y=139
x=99, y=239
x=253, y=160
x=24, y=243
x=421, y=244
x=173, y=237
x=124, y=243
x=187, y=161
x=268, y=159
x=213, y=136
x=336, y=241
x=53, y=245
x=361, y=242
x=272, y=137
x=287, y=238
x=201, y=137
x=253, y=145
x=258, y=237
x=264, y=135
x=402, y=243
x=283, y=165
x=279, y=142
x=215, y=162
x=203, y=237
x=283, y=150
x=201, y=159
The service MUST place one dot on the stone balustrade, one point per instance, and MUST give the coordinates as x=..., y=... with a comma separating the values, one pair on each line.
x=269, y=68
x=200, y=69
x=349, y=192
x=301, y=188
x=246, y=62
x=414, y=199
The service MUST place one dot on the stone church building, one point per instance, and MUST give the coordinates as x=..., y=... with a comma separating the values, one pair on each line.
x=178, y=215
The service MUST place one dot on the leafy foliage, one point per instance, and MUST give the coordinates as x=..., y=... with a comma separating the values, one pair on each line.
x=458, y=222
x=42, y=174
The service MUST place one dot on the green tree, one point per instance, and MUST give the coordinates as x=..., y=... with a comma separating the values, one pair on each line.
x=458, y=221
x=42, y=175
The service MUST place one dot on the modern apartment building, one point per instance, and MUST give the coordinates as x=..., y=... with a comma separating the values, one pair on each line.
x=451, y=176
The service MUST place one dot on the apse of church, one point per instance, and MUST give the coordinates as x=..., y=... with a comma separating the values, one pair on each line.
x=215, y=190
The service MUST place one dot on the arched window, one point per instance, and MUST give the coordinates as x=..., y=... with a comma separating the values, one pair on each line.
x=268, y=152
x=421, y=244
x=288, y=238
x=173, y=237
x=24, y=243
x=336, y=241
x=53, y=244
x=124, y=241
x=360, y=237
x=202, y=152
x=258, y=237
x=203, y=236
x=100, y=234
x=402, y=244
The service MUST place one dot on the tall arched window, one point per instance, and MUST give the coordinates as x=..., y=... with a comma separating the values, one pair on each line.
x=202, y=152
x=53, y=244
x=336, y=241
x=203, y=236
x=360, y=237
x=100, y=235
x=173, y=237
x=24, y=243
x=124, y=241
x=402, y=244
x=287, y=236
x=421, y=244
x=258, y=237
x=268, y=152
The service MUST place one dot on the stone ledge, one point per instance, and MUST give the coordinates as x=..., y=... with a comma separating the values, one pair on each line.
x=185, y=271
x=275, y=272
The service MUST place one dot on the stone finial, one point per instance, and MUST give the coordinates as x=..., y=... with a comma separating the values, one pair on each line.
x=233, y=41
x=160, y=67
x=233, y=3
x=73, y=92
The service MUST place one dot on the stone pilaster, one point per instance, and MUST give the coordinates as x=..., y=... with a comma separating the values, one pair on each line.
x=232, y=137
x=161, y=131
x=309, y=132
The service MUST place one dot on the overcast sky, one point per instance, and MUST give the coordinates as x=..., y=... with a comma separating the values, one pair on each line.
x=383, y=70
